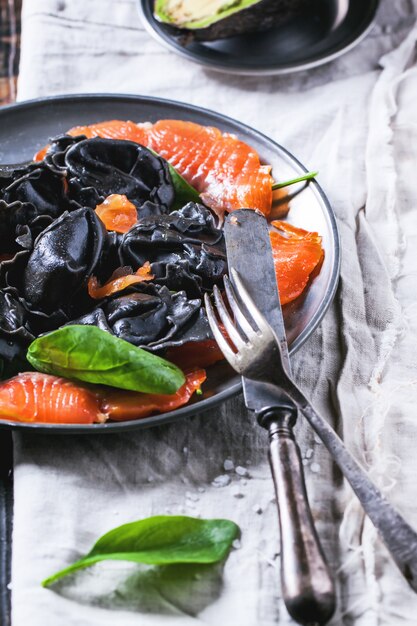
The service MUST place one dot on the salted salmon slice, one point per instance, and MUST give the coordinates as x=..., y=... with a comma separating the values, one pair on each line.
x=119, y=280
x=42, y=398
x=226, y=171
x=297, y=254
x=122, y=405
x=36, y=397
x=117, y=213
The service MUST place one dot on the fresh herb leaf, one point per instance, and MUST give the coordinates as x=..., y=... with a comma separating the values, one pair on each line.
x=184, y=192
x=160, y=540
x=300, y=179
x=93, y=355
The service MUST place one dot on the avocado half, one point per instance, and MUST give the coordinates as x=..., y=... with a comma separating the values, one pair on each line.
x=207, y=20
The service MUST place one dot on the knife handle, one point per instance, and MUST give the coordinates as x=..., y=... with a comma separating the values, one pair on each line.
x=307, y=584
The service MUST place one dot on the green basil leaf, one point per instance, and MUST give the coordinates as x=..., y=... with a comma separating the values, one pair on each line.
x=93, y=355
x=184, y=192
x=160, y=540
x=306, y=177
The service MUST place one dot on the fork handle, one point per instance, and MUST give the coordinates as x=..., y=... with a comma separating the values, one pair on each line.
x=399, y=537
x=307, y=584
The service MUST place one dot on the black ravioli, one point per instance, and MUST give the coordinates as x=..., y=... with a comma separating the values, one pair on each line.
x=151, y=317
x=52, y=245
x=15, y=333
x=37, y=185
x=99, y=167
x=64, y=256
x=58, y=147
x=13, y=216
x=185, y=249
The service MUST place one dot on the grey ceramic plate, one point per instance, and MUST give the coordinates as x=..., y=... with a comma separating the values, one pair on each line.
x=330, y=29
x=26, y=127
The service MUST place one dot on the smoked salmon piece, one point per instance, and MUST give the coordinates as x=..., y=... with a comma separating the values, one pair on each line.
x=118, y=282
x=117, y=213
x=35, y=397
x=225, y=171
x=122, y=405
x=195, y=354
x=297, y=254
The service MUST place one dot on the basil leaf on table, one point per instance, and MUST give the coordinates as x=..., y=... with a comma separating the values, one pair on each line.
x=93, y=355
x=160, y=540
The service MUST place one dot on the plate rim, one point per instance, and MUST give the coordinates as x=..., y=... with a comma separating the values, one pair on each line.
x=280, y=70
x=209, y=403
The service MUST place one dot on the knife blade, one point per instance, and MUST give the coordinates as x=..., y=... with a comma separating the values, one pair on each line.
x=249, y=252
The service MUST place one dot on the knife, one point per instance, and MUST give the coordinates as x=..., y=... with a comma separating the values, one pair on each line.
x=307, y=584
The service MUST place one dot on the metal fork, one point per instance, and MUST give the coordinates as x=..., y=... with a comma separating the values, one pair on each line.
x=307, y=583
x=256, y=348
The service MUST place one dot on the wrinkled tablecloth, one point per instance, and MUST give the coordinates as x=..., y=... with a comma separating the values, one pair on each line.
x=354, y=120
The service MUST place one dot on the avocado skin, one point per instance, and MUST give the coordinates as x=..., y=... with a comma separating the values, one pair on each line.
x=260, y=17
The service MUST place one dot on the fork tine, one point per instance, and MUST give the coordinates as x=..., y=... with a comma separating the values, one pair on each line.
x=253, y=310
x=231, y=329
x=218, y=335
x=235, y=306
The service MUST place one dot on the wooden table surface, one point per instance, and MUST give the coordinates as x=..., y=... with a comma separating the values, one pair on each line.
x=9, y=48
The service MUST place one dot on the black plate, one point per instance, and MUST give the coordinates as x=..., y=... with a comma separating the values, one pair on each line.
x=26, y=127
x=330, y=29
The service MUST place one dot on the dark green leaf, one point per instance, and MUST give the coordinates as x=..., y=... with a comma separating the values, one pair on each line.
x=184, y=193
x=95, y=356
x=160, y=540
x=306, y=177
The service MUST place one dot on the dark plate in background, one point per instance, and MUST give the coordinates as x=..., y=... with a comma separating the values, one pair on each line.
x=26, y=127
x=329, y=30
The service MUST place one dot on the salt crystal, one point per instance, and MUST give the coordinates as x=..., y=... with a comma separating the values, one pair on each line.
x=201, y=489
x=185, y=449
x=315, y=467
x=221, y=481
x=191, y=496
x=309, y=453
x=304, y=461
x=317, y=439
x=150, y=479
x=9, y=586
x=242, y=471
x=257, y=509
x=236, y=544
x=228, y=465
x=236, y=492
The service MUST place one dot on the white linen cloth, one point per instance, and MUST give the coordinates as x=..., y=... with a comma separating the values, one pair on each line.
x=355, y=120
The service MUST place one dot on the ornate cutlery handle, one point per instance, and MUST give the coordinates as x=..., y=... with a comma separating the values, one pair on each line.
x=396, y=533
x=307, y=584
